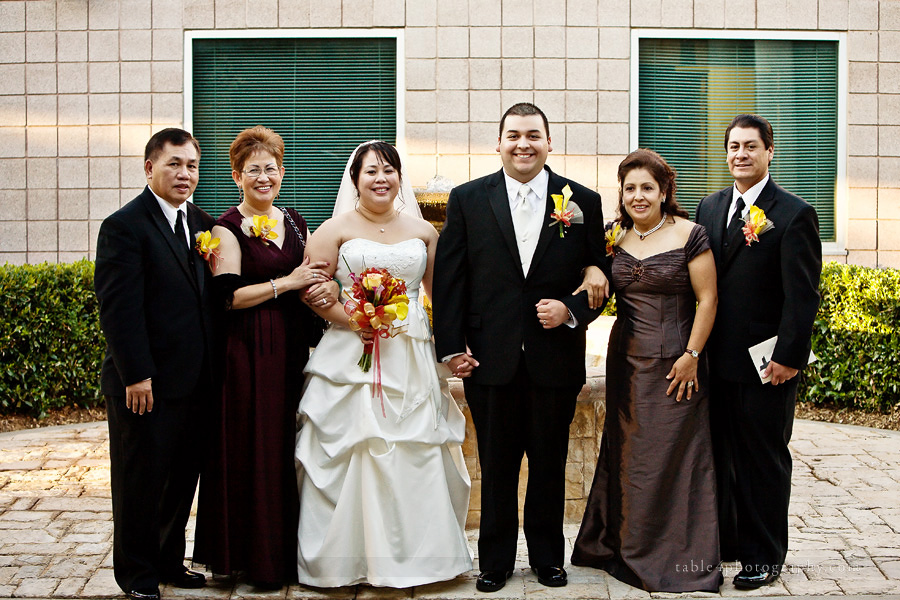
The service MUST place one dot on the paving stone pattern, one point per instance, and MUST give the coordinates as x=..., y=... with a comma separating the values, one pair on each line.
x=56, y=526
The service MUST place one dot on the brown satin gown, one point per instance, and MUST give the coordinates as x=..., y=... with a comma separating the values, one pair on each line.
x=651, y=518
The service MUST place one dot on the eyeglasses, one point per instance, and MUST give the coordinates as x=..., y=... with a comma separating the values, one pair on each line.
x=255, y=172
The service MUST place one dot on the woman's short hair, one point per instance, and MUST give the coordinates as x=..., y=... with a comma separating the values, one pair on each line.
x=255, y=139
x=642, y=158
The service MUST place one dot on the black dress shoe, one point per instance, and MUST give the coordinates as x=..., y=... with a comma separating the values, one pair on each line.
x=133, y=595
x=551, y=576
x=491, y=581
x=185, y=579
x=751, y=579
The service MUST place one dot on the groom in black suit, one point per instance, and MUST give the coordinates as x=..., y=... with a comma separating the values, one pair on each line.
x=768, y=287
x=506, y=321
x=155, y=313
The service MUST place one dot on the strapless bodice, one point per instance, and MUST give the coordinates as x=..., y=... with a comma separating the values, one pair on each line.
x=405, y=260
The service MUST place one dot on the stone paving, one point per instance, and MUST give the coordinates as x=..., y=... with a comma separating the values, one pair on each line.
x=56, y=526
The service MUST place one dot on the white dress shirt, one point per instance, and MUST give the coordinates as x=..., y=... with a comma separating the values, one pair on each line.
x=750, y=197
x=171, y=214
x=527, y=239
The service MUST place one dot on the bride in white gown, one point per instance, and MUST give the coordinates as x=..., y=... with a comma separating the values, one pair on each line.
x=383, y=499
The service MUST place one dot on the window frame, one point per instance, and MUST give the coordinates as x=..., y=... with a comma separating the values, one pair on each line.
x=235, y=34
x=839, y=246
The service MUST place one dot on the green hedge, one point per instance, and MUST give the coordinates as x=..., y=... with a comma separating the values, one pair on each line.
x=51, y=345
x=50, y=340
x=857, y=340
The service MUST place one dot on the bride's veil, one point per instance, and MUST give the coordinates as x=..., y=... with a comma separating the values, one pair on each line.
x=347, y=196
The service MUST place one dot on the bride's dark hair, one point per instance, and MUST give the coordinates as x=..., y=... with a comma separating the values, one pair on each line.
x=385, y=153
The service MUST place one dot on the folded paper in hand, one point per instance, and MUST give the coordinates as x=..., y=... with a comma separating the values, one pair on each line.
x=761, y=354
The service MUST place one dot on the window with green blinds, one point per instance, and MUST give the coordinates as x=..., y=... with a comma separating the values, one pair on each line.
x=690, y=89
x=324, y=96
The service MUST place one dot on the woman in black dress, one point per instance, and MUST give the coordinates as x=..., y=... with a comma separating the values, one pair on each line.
x=651, y=519
x=248, y=506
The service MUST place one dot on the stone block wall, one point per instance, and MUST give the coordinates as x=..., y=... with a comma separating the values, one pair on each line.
x=84, y=84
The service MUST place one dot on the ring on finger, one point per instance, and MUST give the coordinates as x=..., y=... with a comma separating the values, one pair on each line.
x=690, y=384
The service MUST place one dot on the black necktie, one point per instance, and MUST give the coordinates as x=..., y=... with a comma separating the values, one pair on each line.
x=179, y=231
x=735, y=222
x=183, y=243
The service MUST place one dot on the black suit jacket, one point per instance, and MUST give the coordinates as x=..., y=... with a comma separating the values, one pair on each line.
x=155, y=307
x=483, y=300
x=768, y=288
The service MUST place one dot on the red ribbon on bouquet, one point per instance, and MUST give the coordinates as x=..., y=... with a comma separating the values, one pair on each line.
x=375, y=349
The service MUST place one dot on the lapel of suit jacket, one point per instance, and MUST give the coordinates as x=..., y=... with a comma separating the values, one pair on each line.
x=165, y=230
x=718, y=215
x=555, y=184
x=765, y=201
x=499, y=200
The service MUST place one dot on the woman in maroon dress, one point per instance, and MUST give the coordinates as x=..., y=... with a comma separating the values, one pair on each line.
x=248, y=506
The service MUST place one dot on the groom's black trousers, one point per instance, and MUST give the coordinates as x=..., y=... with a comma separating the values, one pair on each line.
x=521, y=418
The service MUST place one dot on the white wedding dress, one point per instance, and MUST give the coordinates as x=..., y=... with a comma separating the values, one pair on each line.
x=383, y=499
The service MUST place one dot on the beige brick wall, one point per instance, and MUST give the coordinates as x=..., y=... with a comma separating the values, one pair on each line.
x=84, y=84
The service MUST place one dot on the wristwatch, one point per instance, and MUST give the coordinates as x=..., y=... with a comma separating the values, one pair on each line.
x=693, y=353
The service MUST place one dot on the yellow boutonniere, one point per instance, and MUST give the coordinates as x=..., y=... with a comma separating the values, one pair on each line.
x=207, y=247
x=756, y=224
x=565, y=212
x=259, y=226
x=614, y=234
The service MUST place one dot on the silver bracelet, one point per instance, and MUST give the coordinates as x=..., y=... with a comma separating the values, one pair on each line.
x=274, y=287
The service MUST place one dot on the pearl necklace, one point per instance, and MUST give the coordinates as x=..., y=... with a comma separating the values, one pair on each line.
x=643, y=235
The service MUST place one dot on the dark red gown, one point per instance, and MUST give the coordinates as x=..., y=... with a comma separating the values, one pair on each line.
x=248, y=505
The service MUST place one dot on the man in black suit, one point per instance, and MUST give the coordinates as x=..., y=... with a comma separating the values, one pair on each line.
x=768, y=286
x=155, y=314
x=506, y=320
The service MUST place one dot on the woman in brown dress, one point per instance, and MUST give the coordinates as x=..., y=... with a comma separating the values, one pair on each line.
x=650, y=519
x=248, y=506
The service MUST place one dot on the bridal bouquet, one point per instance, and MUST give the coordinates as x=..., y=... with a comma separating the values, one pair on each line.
x=375, y=301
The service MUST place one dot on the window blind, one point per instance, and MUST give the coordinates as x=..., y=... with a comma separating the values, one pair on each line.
x=690, y=89
x=324, y=96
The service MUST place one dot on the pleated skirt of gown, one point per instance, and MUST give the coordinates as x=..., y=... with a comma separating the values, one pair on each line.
x=383, y=496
